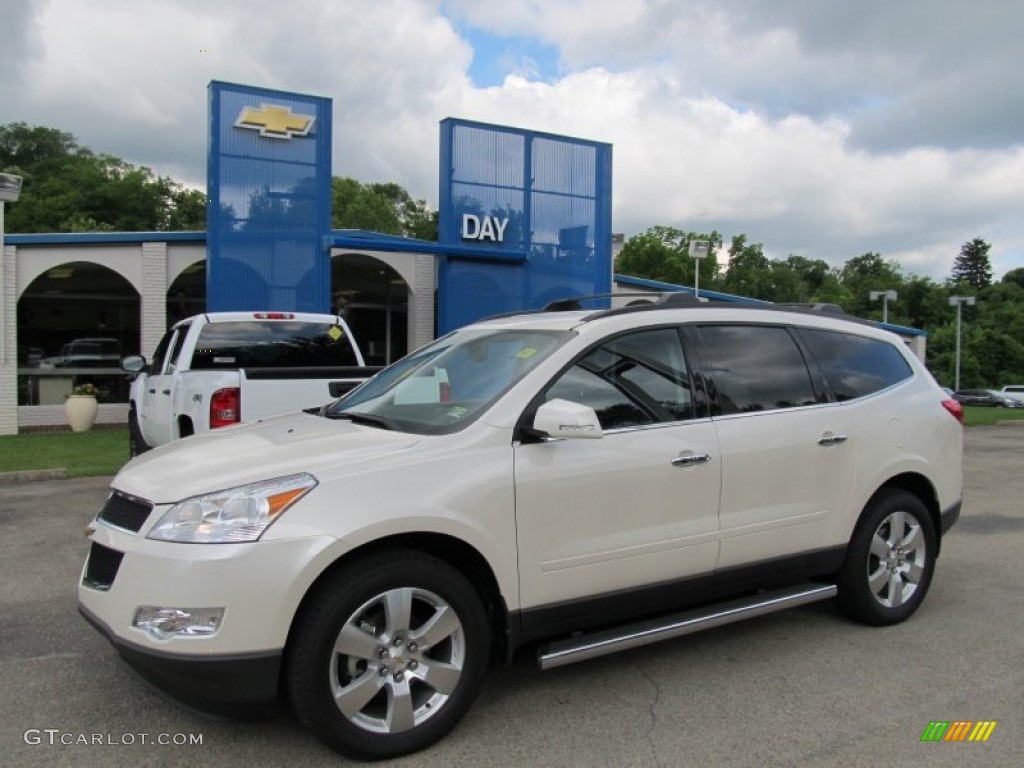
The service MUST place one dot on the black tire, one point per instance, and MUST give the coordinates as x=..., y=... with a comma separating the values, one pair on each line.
x=385, y=665
x=136, y=442
x=890, y=560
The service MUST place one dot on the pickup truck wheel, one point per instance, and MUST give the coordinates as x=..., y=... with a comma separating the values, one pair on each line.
x=136, y=442
x=388, y=655
x=889, y=563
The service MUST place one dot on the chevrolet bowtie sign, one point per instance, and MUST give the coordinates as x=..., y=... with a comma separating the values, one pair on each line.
x=274, y=122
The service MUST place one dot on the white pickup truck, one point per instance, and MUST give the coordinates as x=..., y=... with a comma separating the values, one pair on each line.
x=222, y=368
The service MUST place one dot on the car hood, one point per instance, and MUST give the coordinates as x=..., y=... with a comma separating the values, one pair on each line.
x=275, y=447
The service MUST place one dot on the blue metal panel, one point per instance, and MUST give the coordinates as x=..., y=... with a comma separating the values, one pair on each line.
x=548, y=196
x=269, y=185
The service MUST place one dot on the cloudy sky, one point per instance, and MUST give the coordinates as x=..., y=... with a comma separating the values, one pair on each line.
x=826, y=128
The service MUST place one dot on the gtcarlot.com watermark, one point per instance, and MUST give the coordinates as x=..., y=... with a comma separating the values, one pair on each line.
x=55, y=736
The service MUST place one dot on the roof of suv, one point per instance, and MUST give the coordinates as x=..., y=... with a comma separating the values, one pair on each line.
x=568, y=315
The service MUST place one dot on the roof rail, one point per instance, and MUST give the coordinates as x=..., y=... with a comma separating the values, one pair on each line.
x=663, y=298
x=832, y=309
x=676, y=300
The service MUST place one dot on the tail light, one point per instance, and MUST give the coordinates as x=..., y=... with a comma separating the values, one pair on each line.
x=225, y=407
x=274, y=315
x=955, y=409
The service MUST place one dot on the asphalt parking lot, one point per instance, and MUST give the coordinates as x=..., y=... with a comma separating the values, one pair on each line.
x=801, y=688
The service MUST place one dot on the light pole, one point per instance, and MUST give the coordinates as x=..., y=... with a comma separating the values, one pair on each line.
x=886, y=297
x=958, y=302
x=10, y=188
x=698, y=250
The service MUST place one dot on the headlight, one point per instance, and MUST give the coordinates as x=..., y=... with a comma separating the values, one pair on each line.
x=233, y=515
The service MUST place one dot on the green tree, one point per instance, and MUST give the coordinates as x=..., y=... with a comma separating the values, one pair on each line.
x=387, y=208
x=972, y=266
x=922, y=303
x=866, y=273
x=1015, y=276
x=69, y=188
x=662, y=253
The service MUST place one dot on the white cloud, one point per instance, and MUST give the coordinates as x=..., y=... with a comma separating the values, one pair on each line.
x=827, y=130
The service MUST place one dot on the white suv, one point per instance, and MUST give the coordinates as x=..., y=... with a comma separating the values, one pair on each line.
x=591, y=479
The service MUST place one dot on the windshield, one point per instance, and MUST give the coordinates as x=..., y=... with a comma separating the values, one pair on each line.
x=447, y=384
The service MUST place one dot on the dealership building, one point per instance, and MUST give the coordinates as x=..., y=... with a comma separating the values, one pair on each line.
x=525, y=218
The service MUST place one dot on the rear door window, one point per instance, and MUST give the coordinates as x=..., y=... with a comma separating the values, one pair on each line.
x=755, y=368
x=156, y=365
x=855, y=366
x=272, y=344
x=172, y=358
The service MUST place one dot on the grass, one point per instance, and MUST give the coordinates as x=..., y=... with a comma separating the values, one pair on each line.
x=983, y=416
x=81, y=454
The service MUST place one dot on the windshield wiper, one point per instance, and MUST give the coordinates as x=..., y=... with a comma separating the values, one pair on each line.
x=370, y=419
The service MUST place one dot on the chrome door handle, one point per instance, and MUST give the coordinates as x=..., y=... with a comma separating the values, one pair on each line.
x=829, y=439
x=691, y=459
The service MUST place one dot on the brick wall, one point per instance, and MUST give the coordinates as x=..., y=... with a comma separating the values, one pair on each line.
x=9, y=346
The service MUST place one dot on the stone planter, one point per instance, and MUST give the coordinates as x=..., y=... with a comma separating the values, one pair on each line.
x=81, y=411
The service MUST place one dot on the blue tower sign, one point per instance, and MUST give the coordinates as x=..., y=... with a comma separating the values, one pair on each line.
x=269, y=207
x=525, y=217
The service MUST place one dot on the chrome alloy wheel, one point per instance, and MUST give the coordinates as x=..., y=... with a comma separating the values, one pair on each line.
x=896, y=559
x=397, y=660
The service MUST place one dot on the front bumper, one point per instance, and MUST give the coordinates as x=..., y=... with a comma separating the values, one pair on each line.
x=221, y=686
x=259, y=586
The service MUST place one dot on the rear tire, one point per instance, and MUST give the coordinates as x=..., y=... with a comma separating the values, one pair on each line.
x=890, y=560
x=388, y=655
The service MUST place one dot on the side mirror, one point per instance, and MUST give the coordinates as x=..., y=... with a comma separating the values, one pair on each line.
x=133, y=364
x=563, y=418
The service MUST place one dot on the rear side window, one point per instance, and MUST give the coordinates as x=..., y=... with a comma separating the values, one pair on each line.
x=755, y=368
x=272, y=344
x=855, y=366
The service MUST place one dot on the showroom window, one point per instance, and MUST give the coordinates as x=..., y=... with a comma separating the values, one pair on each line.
x=75, y=322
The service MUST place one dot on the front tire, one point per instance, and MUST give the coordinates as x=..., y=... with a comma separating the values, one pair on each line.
x=890, y=560
x=388, y=655
x=136, y=442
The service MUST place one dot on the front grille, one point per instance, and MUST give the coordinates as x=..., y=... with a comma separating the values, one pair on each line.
x=125, y=512
x=101, y=569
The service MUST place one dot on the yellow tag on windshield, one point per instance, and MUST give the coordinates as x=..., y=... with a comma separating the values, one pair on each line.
x=526, y=353
x=335, y=332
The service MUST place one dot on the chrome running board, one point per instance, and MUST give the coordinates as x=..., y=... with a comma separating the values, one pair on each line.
x=582, y=647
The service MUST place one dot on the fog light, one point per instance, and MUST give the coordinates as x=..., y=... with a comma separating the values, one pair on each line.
x=163, y=623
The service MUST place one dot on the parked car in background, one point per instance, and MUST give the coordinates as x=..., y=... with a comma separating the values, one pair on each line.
x=988, y=397
x=91, y=353
x=1016, y=391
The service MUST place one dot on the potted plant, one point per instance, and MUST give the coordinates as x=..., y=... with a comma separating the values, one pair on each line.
x=81, y=407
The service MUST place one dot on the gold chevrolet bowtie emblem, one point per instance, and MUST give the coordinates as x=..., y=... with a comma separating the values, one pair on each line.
x=274, y=121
